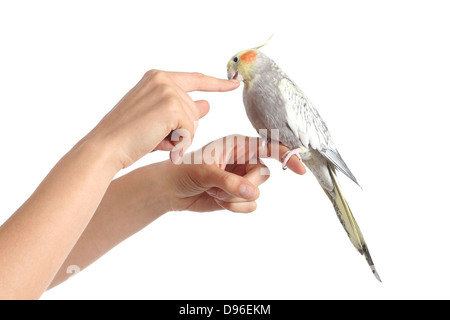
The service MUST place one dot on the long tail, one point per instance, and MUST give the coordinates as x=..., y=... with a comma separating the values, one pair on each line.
x=348, y=221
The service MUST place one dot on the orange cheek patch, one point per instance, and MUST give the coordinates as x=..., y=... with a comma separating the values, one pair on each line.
x=249, y=56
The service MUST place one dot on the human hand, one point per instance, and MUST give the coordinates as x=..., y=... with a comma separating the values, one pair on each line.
x=143, y=120
x=214, y=181
x=225, y=174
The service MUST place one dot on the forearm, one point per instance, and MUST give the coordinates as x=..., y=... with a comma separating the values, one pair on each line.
x=131, y=202
x=37, y=238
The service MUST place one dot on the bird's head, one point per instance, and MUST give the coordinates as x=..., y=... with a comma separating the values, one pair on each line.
x=243, y=65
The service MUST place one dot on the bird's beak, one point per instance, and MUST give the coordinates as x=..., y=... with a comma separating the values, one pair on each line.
x=235, y=75
x=231, y=73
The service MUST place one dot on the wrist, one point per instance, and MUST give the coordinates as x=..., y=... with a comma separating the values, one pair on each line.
x=102, y=149
x=151, y=188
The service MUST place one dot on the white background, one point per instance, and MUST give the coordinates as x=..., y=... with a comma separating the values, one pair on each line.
x=379, y=73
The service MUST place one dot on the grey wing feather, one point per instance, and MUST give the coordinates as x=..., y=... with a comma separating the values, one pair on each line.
x=335, y=158
x=304, y=120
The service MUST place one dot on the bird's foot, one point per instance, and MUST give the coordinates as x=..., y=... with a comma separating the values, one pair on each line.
x=298, y=152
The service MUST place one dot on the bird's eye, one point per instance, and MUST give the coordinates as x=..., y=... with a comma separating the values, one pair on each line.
x=235, y=59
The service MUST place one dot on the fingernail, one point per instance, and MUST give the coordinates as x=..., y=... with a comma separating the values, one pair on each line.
x=219, y=202
x=212, y=192
x=246, y=191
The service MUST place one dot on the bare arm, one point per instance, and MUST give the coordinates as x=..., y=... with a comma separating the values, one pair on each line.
x=36, y=239
x=130, y=203
x=39, y=236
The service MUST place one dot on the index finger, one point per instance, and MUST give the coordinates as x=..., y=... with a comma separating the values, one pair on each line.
x=294, y=163
x=241, y=149
x=200, y=82
x=269, y=150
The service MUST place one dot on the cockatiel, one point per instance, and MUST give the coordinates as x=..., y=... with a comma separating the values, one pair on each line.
x=273, y=101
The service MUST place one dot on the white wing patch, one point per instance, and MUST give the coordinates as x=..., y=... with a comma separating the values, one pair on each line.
x=308, y=126
x=303, y=118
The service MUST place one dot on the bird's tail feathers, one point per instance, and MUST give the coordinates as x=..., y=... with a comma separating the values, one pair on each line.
x=347, y=220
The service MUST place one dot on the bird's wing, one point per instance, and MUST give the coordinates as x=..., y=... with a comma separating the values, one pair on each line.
x=308, y=126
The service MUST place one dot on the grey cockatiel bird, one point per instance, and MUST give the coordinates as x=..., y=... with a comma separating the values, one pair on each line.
x=273, y=101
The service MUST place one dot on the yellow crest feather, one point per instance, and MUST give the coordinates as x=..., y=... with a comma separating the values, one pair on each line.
x=259, y=47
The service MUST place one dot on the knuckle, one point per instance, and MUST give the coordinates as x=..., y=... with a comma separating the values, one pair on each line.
x=198, y=78
x=167, y=92
x=173, y=106
x=157, y=76
x=198, y=75
x=150, y=73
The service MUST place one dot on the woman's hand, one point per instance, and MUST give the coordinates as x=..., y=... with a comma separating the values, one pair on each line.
x=225, y=174
x=147, y=115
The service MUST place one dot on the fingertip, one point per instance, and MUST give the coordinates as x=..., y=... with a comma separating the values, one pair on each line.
x=252, y=207
x=230, y=85
x=201, y=82
x=296, y=165
x=245, y=208
x=203, y=107
x=202, y=103
x=241, y=207
x=248, y=191
x=236, y=83
x=302, y=170
x=300, y=166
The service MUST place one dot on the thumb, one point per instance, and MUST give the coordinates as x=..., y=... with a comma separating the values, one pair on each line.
x=203, y=107
x=231, y=183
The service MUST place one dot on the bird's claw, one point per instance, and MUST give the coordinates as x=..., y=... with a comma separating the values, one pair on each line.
x=285, y=158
